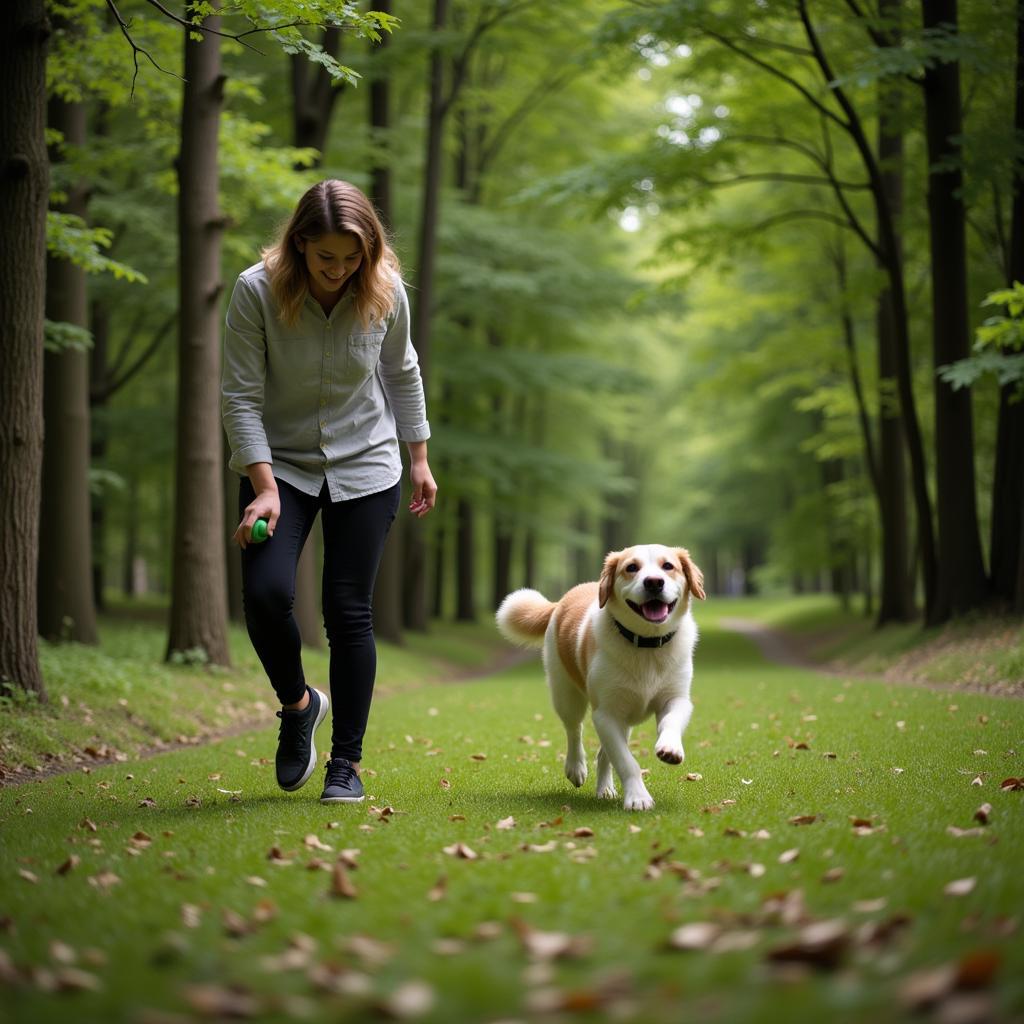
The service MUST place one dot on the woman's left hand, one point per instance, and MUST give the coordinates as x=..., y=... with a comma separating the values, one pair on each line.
x=424, y=490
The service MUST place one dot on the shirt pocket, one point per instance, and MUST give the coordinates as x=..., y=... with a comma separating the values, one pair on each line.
x=363, y=354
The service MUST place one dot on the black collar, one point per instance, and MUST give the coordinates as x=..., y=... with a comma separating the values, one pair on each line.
x=642, y=641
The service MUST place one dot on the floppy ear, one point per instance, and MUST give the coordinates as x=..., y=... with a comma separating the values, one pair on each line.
x=611, y=567
x=694, y=577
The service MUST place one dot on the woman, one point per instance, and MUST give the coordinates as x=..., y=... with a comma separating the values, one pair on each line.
x=320, y=383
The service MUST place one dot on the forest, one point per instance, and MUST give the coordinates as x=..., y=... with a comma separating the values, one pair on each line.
x=745, y=277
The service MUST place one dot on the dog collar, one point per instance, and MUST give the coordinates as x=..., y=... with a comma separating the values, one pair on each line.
x=642, y=641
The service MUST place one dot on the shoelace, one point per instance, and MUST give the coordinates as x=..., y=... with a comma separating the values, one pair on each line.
x=339, y=772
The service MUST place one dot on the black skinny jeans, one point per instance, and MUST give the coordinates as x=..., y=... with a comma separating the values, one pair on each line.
x=354, y=534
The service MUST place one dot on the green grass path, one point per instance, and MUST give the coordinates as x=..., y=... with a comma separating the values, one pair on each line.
x=169, y=907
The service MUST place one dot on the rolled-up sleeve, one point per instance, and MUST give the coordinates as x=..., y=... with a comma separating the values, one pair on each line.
x=243, y=379
x=399, y=370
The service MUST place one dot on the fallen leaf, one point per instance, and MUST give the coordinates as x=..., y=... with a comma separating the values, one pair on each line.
x=694, y=777
x=959, y=833
x=960, y=887
x=409, y=1000
x=461, y=851
x=1011, y=784
x=147, y=802
x=833, y=875
x=255, y=880
x=439, y=891
x=372, y=953
x=869, y=906
x=803, y=819
x=90, y=826
x=73, y=979
x=217, y=1001
x=28, y=876
x=546, y=946
x=69, y=865
x=348, y=858
x=820, y=944
x=540, y=847
x=924, y=989
x=505, y=823
x=860, y=822
x=977, y=969
x=583, y=833
x=341, y=884
x=478, y=757
x=788, y=856
x=314, y=843
x=983, y=813
x=190, y=915
x=276, y=856
x=104, y=880
x=234, y=924
x=694, y=936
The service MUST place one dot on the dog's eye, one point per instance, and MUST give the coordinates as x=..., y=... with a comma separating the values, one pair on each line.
x=632, y=567
x=668, y=567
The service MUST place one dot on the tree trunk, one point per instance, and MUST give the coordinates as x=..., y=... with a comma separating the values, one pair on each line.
x=314, y=95
x=961, y=584
x=199, y=587
x=1007, y=551
x=415, y=604
x=896, y=599
x=99, y=325
x=465, y=542
x=65, y=597
x=387, y=594
x=24, y=170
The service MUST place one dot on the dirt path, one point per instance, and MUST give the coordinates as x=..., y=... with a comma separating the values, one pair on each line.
x=781, y=649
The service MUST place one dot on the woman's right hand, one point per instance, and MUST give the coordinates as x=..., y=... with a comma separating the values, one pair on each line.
x=266, y=505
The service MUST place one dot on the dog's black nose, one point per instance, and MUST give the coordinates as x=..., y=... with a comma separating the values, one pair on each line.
x=654, y=584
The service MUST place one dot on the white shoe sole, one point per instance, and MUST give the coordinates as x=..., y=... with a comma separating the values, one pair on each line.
x=311, y=767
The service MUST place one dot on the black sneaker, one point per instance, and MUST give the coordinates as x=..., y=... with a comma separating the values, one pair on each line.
x=296, y=754
x=342, y=785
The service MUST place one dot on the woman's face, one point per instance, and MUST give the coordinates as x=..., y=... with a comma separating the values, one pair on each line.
x=331, y=260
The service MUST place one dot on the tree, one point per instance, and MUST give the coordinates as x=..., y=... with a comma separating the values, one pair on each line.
x=66, y=607
x=198, y=619
x=960, y=582
x=24, y=34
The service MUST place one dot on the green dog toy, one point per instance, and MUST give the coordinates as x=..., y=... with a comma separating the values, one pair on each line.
x=258, y=534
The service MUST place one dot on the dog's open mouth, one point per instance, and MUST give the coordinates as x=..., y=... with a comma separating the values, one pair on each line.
x=653, y=611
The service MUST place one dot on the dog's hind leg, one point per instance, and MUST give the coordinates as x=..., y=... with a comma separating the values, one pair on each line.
x=605, y=779
x=571, y=706
x=615, y=742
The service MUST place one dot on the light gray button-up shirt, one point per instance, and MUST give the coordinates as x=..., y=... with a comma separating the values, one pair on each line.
x=329, y=398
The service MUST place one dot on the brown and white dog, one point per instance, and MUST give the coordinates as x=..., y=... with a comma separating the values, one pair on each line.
x=624, y=646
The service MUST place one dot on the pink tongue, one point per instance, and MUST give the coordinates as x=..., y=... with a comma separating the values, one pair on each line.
x=655, y=611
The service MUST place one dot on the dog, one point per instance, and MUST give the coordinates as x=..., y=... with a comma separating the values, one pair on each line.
x=623, y=645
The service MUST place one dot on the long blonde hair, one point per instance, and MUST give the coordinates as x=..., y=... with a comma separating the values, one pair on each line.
x=333, y=207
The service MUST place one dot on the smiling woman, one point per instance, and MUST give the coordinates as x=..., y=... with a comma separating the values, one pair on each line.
x=321, y=383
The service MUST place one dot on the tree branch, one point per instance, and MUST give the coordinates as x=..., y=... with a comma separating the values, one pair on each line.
x=113, y=384
x=800, y=179
x=136, y=49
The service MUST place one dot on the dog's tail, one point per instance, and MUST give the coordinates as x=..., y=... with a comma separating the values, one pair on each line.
x=524, y=616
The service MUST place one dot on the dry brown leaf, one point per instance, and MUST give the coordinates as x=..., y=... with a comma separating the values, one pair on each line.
x=276, y=856
x=960, y=887
x=190, y=915
x=545, y=946
x=978, y=968
x=833, y=875
x=861, y=822
x=983, y=813
x=1011, y=784
x=73, y=979
x=313, y=842
x=341, y=884
x=547, y=847
x=959, y=833
x=926, y=988
x=348, y=858
x=694, y=776
x=461, y=851
x=505, y=823
x=217, y=1001
x=445, y=783
x=820, y=944
x=234, y=924
x=788, y=856
x=439, y=891
x=411, y=999
x=147, y=802
x=583, y=833
x=694, y=936
x=88, y=825
x=371, y=953
x=803, y=819
x=478, y=757
x=869, y=906
x=104, y=880
x=28, y=876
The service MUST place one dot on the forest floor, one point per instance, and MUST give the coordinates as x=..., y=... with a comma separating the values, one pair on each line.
x=834, y=846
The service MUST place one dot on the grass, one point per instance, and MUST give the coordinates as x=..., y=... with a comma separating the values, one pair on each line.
x=453, y=760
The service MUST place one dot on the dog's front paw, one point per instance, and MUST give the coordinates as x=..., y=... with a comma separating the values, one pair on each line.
x=670, y=753
x=576, y=772
x=638, y=800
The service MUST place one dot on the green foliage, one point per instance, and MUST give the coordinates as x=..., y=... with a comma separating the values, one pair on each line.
x=69, y=237
x=998, y=346
x=61, y=337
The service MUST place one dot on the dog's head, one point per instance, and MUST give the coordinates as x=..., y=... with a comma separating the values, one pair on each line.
x=650, y=584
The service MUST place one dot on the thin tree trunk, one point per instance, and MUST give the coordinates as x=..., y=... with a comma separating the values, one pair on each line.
x=199, y=587
x=465, y=541
x=387, y=595
x=99, y=325
x=24, y=169
x=896, y=599
x=961, y=584
x=415, y=604
x=65, y=596
x=1007, y=550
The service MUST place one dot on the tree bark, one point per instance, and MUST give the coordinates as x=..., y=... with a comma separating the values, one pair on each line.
x=1007, y=549
x=199, y=586
x=24, y=195
x=961, y=584
x=896, y=598
x=99, y=325
x=65, y=596
x=415, y=603
x=465, y=544
x=387, y=595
